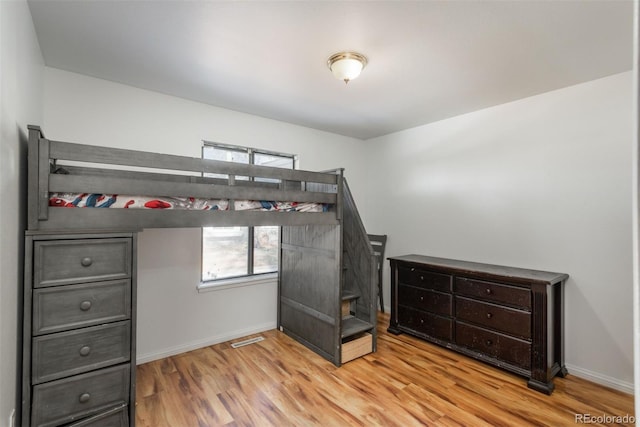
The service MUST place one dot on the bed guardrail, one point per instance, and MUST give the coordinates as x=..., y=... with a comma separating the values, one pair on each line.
x=64, y=167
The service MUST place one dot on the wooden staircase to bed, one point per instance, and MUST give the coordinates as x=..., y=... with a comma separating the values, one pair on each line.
x=327, y=298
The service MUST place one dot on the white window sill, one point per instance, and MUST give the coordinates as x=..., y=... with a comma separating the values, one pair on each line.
x=237, y=282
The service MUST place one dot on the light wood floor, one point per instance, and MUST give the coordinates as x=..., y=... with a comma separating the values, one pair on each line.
x=278, y=382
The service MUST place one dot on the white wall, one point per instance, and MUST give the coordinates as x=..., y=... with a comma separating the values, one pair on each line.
x=172, y=316
x=21, y=69
x=541, y=183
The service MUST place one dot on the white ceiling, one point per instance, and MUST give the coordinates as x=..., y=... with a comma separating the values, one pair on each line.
x=428, y=60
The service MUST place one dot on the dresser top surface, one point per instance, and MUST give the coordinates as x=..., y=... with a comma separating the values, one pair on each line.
x=476, y=268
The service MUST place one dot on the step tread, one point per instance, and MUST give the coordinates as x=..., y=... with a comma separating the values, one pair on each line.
x=352, y=326
x=348, y=295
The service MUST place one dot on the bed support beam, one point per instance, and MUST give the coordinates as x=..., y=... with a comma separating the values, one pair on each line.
x=114, y=219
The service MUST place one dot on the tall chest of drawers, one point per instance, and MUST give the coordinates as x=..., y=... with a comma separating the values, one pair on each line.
x=508, y=317
x=78, y=361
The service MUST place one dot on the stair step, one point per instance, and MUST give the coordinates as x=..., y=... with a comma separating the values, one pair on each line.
x=352, y=326
x=348, y=295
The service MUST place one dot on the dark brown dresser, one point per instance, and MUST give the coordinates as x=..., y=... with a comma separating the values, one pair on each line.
x=508, y=317
x=79, y=333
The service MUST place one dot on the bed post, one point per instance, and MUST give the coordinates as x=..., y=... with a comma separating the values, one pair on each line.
x=38, y=177
x=340, y=193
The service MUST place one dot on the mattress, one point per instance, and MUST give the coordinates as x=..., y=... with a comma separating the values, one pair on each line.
x=122, y=201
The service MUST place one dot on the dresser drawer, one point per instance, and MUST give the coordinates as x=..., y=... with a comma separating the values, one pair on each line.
x=430, y=324
x=63, y=262
x=70, y=399
x=67, y=307
x=494, y=292
x=425, y=299
x=502, y=347
x=116, y=417
x=503, y=319
x=73, y=352
x=424, y=279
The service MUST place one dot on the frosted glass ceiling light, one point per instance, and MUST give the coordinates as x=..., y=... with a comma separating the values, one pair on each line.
x=346, y=65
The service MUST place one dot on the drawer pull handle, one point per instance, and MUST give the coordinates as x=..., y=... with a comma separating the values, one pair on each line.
x=85, y=305
x=421, y=298
x=489, y=315
x=489, y=342
x=422, y=321
x=84, y=397
x=413, y=269
x=86, y=261
x=84, y=351
x=421, y=277
x=488, y=291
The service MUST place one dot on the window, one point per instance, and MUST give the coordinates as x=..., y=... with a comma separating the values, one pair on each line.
x=230, y=252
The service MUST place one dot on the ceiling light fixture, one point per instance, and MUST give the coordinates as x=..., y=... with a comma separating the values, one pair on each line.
x=346, y=65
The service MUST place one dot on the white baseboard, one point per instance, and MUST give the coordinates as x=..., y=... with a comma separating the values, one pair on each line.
x=623, y=386
x=183, y=348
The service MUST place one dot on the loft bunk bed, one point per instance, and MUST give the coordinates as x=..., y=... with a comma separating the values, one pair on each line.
x=61, y=172
x=85, y=206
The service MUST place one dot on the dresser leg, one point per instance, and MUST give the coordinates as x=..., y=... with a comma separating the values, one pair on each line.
x=393, y=329
x=542, y=387
x=562, y=372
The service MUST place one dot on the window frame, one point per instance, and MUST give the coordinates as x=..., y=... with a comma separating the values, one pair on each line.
x=251, y=277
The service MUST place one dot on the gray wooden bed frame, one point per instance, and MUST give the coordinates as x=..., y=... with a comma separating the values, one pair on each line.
x=327, y=289
x=186, y=179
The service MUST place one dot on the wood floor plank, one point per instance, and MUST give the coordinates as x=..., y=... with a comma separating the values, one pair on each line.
x=407, y=382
